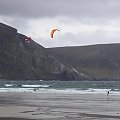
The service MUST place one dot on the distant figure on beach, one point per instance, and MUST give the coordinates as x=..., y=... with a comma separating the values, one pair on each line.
x=34, y=89
x=108, y=93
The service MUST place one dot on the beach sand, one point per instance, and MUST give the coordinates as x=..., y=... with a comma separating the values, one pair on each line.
x=58, y=106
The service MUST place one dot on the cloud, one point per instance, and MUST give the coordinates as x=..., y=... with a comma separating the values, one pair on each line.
x=81, y=39
x=42, y=27
x=52, y=8
x=72, y=32
x=81, y=22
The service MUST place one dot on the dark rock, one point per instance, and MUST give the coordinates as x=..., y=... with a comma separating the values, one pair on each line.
x=22, y=60
x=102, y=61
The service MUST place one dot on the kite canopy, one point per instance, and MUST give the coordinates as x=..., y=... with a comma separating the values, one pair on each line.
x=28, y=39
x=52, y=32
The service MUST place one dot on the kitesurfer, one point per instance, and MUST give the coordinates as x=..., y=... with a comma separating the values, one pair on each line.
x=108, y=93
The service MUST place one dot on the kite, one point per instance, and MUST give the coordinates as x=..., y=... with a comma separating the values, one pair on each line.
x=52, y=32
x=28, y=39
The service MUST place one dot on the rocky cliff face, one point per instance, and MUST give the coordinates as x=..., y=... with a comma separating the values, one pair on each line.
x=22, y=60
x=100, y=61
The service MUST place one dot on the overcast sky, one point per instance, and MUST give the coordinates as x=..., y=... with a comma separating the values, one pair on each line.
x=81, y=22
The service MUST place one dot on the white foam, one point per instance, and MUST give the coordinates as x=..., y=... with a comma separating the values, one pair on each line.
x=76, y=91
x=35, y=86
x=60, y=91
x=98, y=90
x=15, y=90
x=9, y=85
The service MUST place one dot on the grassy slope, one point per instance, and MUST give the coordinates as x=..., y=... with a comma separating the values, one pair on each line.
x=96, y=60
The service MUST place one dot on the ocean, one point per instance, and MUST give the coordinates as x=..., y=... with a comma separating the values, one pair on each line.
x=64, y=87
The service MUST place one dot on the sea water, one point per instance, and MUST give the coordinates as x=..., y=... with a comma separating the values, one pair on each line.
x=64, y=87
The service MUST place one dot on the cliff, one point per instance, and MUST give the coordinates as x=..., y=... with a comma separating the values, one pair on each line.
x=20, y=60
x=100, y=61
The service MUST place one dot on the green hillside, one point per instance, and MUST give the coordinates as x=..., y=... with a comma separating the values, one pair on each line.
x=99, y=61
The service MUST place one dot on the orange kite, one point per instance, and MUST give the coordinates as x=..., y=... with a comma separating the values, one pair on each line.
x=52, y=32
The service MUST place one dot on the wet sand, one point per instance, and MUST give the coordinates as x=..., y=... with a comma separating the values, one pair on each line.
x=58, y=106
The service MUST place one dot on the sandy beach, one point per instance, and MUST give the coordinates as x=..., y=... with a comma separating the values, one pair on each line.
x=58, y=106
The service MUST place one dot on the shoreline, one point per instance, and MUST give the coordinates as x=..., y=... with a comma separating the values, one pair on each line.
x=90, y=91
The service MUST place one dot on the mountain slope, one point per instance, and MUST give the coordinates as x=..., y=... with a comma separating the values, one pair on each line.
x=22, y=60
x=99, y=61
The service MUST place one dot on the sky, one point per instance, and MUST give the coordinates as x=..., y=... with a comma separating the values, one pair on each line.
x=81, y=22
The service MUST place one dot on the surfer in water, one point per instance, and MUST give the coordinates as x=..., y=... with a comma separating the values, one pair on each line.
x=108, y=92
